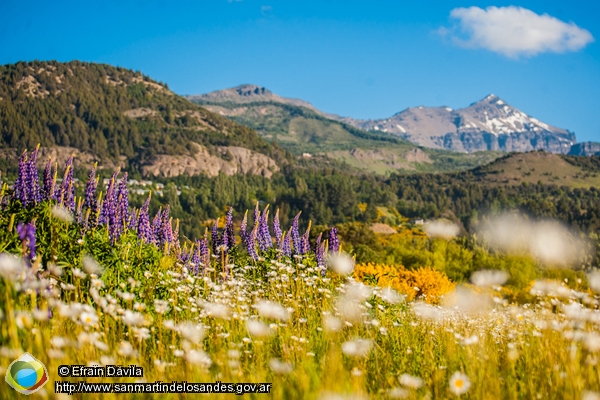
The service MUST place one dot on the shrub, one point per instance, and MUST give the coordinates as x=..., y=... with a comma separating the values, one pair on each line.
x=424, y=283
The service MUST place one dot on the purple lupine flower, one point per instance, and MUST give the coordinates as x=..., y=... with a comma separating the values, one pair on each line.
x=320, y=253
x=214, y=235
x=157, y=228
x=244, y=228
x=251, y=244
x=133, y=219
x=318, y=241
x=229, y=235
x=33, y=184
x=334, y=241
x=108, y=212
x=109, y=206
x=48, y=181
x=67, y=187
x=123, y=196
x=166, y=229
x=91, y=201
x=195, y=259
x=169, y=237
x=90, y=187
x=115, y=225
x=295, y=235
x=277, y=227
x=184, y=256
x=26, y=233
x=56, y=194
x=143, y=222
x=19, y=189
x=286, y=245
x=304, y=241
x=263, y=234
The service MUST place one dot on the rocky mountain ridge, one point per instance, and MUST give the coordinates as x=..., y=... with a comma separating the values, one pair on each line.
x=488, y=124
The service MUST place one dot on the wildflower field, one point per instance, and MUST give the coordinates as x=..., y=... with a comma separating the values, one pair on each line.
x=91, y=281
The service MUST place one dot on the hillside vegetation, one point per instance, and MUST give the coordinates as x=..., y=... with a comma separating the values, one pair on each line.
x=113, y=113
x=534, y=167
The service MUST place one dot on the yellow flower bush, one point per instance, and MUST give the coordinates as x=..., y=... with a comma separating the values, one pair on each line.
x=424, y=283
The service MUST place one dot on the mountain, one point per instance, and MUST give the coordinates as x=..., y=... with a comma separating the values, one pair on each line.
x=489, y=124
x=122, y=118
x=302, y=129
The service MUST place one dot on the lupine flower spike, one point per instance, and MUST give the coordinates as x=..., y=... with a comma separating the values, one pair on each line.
x=67, y=187
x=143, y=224
x=91, y=201
x=334, y=242
x=229, y=234
x=214, y=236
x=26, y=233
x=286, y=246
x=244, y=228
x=264, y=236
x=304, y=241
x=277, y=227
x=123, y=196
x=295, y=235
x=34, y=182
x=48, y=191
x=251, y=244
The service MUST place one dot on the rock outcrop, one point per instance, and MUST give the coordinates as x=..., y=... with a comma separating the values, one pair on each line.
x=230, y=160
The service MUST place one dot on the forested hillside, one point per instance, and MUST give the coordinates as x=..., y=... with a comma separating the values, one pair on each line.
x=113, y=113
x=333, y=196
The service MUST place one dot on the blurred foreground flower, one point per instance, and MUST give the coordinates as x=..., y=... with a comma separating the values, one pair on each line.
x=340, y=263
x=62, y=214
x=459, y=383
x=594, y=281
x=357, y=347
x=441, y=229
x=487, y=278
x=269, y=309
x=410, y=381
x=549, y=241
x=280, y=367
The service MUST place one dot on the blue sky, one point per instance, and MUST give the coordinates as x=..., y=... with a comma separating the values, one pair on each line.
x=364, y=59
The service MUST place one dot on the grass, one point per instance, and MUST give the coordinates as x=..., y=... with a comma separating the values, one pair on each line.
x=146, y=309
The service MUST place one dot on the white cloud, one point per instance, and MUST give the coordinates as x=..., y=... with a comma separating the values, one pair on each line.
x=514, y=31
